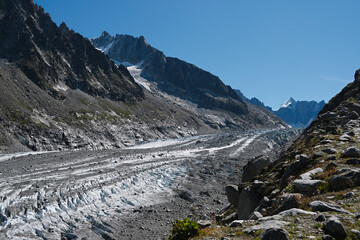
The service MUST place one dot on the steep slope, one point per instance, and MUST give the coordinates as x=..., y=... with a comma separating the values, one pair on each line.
x=173, y=75
x=299, y=113
x=318, y=172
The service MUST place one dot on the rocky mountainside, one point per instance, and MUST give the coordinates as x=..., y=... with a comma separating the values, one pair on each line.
x=59, y=92
x=172, y=75
x=313, y=190
x=299, y=113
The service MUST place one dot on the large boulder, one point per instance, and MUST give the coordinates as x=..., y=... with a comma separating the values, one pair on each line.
x=353, y=152
x=289, y=201
x=254, y=167
x=308, y=175
x=274, y=233
x=326, y=207
x=248, y=201
x=295, y=167
x=347, y=179
x=266, y=225
x=307, y=187
x=232, y=194
x=335, y=228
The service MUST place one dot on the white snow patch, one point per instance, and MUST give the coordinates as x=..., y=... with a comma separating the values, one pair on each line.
x=135, y=72
x=61, y=87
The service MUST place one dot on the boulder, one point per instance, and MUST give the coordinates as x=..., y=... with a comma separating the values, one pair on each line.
x=248, y=201
x=320, y=217
x=355, y=233
x=353, y=161
x=326, y=207
x=327, y=237
x=294, y=212
x=266, y=225
x=307, y=187
x=331, y=157
x=255, y=216
x=307, y=175
x=229, y=218
x=352, y=152
x=232, y=194
x=237, y=223
x=335, y=228
x=344, y=138
x=204, y=223
x=274, y=233
x=329, y=150
x=186, y=196
x=295, y=167
x=346, y=179
x=318, y=154
x=254, y=167
x=289, y=201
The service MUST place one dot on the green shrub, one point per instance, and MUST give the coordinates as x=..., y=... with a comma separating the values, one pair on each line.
x=184, y=229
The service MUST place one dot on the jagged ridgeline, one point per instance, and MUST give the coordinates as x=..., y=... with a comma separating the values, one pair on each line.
x=173, y=75
x=60, y=92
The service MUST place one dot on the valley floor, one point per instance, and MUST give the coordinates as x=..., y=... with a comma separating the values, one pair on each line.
x=133, y=193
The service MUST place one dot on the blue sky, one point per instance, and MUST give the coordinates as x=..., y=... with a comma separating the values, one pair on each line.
x=272, y=50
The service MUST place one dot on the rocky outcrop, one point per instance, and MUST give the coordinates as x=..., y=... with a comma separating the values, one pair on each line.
x=254, y=167
x=247, y=203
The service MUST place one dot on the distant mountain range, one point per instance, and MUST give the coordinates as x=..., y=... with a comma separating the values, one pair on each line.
x=294, y=113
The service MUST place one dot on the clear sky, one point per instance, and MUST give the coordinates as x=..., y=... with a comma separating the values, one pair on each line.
x=272, y=50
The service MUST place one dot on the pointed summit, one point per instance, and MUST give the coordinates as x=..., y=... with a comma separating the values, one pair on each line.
x=105, y=34
x=288, y=102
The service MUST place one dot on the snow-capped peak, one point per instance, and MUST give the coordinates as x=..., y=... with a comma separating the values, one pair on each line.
x=288, y=103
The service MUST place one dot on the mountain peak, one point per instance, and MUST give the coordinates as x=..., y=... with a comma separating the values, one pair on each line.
x=288, y=102
x=105, y=34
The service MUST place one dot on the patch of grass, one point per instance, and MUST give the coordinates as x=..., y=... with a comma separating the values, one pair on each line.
x=317, y=225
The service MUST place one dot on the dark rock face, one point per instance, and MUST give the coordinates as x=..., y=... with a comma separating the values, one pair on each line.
x=247, y=203
x=173, y=75
x=49, y=55
x=275, y=233
x=299, y=113
x=335, y=228
x=254, y=167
